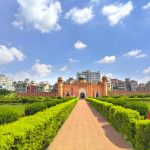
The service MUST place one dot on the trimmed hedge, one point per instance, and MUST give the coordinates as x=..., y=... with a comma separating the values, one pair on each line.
x=124, y=120
x=40, y=106
x=143, y=135
x=141, y=107
x=36, y=131
x=7, y=116
x=25, y=99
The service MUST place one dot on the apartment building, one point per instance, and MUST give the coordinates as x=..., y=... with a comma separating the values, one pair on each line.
x=89, y=76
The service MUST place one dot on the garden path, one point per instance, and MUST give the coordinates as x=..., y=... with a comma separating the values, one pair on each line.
x=86, y=129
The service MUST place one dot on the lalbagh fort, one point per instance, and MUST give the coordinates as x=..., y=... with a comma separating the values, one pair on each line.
x=81, y=87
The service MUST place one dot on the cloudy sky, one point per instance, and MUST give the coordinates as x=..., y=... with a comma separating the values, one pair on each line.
x=44, y=39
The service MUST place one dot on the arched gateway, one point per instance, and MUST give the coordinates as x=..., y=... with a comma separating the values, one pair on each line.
x=82, y=95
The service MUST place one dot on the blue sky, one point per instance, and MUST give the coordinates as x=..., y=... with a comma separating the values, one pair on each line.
x=44, y=39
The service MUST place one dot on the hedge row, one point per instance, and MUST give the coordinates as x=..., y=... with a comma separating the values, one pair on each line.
x=27, y=99
x=126, y=121
x=36, y=131
x=7, y=116
x=141, y=107
x=143, y=135
x=40, y=106
x=131, y=96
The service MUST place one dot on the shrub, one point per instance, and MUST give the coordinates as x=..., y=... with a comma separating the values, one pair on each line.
x=124, y=120
x=35, y=132
x=7, y=116
x=34, y=108
x=141, y=107
x=40, y=106
x=143, y=135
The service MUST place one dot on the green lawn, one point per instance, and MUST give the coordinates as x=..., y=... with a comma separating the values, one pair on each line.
x=18, y=108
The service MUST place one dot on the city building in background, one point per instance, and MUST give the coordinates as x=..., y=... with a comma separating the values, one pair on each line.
x=87, y=80
x=134, y=85
x=109, y=86
x=129, y=85
x=6, y=82
x=147, y=86
x=118, y=85
x=31, y=86
x=89, y=76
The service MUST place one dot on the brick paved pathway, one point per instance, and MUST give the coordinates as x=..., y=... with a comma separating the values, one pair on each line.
x=85, y=129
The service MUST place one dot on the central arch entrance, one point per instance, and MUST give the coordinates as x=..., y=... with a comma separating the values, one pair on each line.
x=82, y=95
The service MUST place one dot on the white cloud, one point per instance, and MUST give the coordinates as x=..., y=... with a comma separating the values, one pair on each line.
x=107, y=60
x=117, y=12
x=135, y=54
x=20, y=76
x=147, y=6
x=37, y=72
x=18, y=24
x=73, y=61
x=80, y=16
x=8, y=55
x=41, y=70
x=64, y=68
x=141, y=56
x=146, y=71
x=42, y=15
x=80, y=45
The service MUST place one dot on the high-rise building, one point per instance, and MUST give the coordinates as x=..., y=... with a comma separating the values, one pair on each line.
x=128, y=84
x=89, y=76
x=141, y=87
x=147, y=86
x=118, y=85
x=6, y=82
x=21, y=86
x=134, y=85
x=43, y=87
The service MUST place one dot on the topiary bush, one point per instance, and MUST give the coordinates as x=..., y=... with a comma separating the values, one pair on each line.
x=7, y=116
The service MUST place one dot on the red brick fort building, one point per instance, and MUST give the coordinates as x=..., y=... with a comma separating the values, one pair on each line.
x=82, y=89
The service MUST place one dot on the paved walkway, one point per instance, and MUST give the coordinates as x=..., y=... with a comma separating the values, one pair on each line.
x=85, y=129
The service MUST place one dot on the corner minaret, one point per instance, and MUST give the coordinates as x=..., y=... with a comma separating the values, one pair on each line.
x=60, y=87
x=104, y=83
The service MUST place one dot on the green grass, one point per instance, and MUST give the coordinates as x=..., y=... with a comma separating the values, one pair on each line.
x=18, y=108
